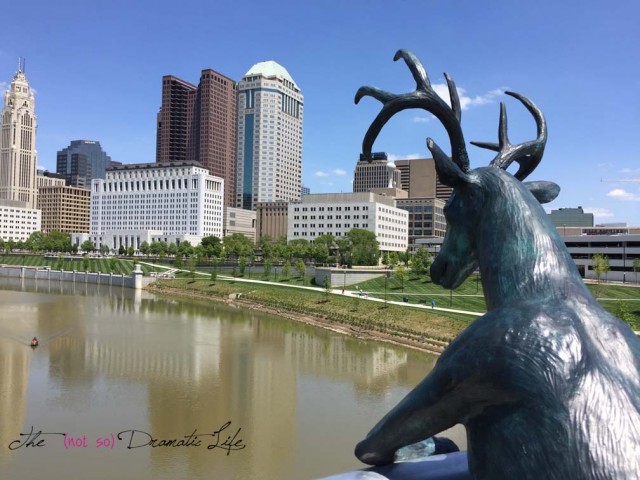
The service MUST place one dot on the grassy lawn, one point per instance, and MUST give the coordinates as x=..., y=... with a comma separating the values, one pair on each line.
x=623, y=301
x=104, y=265
x=610, y=296
x=414, y=324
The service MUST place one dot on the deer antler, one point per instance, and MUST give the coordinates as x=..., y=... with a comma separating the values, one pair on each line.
x=423, y=97
x=527, y=154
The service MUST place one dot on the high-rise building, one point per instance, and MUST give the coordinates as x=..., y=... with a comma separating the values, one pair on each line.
x=417, y=177
x=270, y=114
x=337, y=213
x=149, y=202
x=571, y=217
x=199, y=124
x=18, y=144
x=64, y=208
x=82, y=161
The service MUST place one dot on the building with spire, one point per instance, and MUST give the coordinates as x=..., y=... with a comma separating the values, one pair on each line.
x=18, y=159
x=270, y=114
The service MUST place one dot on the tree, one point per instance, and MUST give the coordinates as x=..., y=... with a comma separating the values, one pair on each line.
x=636, y=267
x=36, y=242
x=326, y=283
x=300, y=248
x=267, y=268
x=237, y=245
x=121, y=250
x=286, y=270
x=320, y=253
x=172, y=249
x=267, y=246
x=192, y=267
x=145, y=248
x=345, y=249
x=421, y=262
x=85, y=262
x=401, y=275
x=600, y=265
x=365, y=249
x=242, y=265
x=301, y=268
x=212, y=246
x=130, y=251
x=87, y=246
x=104, y=248
x=185, y=249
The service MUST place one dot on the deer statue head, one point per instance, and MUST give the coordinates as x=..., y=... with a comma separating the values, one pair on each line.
x=458, y=256
x=536, y=379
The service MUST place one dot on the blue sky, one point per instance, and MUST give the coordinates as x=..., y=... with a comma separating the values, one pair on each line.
x=97, y=67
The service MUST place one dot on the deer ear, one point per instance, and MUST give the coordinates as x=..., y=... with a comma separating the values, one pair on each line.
x=544, y=192
x=449, y=172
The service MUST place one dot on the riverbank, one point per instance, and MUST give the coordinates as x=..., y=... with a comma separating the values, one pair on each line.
x=351, y=315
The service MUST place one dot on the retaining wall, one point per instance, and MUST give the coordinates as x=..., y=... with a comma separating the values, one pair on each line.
x=339, y=277
x=135, y=280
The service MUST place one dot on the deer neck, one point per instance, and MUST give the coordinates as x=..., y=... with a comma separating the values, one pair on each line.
x=522, y=258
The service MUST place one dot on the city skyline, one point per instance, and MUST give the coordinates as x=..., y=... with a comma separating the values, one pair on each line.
x=562, y=56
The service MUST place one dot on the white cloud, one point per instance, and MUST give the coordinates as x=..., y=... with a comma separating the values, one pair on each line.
x=412, y=156
x=465, y=101
x=339, y=171
x=321, y=174
x=630, y=170
x=620, y=194
x=419, y=119
x=599, y=212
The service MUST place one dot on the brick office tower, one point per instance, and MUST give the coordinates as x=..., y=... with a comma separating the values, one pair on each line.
x=198, y=123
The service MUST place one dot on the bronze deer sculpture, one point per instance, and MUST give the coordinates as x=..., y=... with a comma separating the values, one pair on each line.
x=547, y=383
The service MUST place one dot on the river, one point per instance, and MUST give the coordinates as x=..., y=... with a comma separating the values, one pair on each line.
x=235, y=393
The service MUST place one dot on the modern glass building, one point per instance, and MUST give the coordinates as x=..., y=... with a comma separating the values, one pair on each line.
x=82, y=161
x=270, y=114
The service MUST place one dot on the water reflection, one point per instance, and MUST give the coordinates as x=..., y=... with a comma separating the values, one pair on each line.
x=113, y=359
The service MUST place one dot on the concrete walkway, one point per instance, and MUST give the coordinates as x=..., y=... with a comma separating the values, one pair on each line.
x=347, y=293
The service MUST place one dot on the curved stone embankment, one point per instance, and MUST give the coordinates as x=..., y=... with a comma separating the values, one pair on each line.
x=425, y=344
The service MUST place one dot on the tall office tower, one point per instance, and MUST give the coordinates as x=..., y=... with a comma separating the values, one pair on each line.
x=270, y=113
x=418, y=177
x=82, y=161
x=18, y=143
x=375, y=174
x=199, y=124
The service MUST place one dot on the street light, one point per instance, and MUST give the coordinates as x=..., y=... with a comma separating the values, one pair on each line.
x=386, y=277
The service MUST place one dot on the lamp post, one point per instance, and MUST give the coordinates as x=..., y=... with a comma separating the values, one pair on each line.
x=386, y=277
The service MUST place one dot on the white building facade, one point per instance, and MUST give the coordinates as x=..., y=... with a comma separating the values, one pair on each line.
x=18, y=143
x=337, y=213
x=170, y=202
x=18, y=223
x=270, y=115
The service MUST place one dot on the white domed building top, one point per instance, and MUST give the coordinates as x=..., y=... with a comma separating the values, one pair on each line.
x=271, y=69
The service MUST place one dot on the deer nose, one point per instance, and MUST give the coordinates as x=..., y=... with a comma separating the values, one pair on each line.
x=365, y=454
x=438, y=270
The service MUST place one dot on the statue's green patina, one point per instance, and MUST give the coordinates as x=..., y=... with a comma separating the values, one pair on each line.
x=547, y=383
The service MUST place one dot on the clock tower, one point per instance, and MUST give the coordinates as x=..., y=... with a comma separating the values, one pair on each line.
x=18, y=158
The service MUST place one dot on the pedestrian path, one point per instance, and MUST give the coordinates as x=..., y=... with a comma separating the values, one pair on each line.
x=348, y=293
